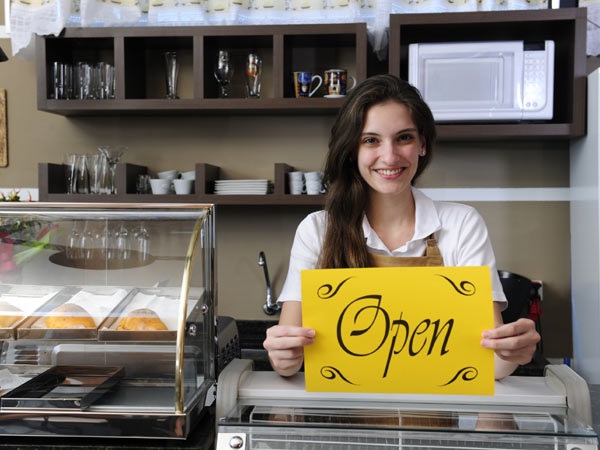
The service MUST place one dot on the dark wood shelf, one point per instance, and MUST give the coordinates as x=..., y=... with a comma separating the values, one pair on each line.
x=52, y=188
x=187, y=106
x=566, y=26
x=136, y=55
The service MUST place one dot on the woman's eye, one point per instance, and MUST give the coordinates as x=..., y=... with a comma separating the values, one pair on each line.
x=405, y=137
x=369, y=140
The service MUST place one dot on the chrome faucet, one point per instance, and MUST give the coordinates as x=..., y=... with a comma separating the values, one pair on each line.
x=270, y=307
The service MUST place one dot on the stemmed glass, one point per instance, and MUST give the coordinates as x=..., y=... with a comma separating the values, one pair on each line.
x=113, y=156
x=223, y=73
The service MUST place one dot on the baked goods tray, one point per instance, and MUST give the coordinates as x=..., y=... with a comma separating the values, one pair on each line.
x=63, y=387
x=14, y=375
x=17, y=302
x=75, y=313
x=150, y=314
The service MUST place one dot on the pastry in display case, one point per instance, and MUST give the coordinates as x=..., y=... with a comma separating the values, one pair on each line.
x=107, y=319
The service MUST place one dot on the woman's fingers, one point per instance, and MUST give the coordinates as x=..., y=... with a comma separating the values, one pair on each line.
x=515, y=341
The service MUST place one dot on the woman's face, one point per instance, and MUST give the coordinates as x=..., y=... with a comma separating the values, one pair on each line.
x=389, y=148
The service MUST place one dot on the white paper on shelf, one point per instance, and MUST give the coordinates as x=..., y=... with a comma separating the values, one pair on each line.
x=166, y=308
x=98, y=301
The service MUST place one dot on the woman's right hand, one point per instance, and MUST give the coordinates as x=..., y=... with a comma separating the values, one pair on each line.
x=285, y=346
x=285, y=342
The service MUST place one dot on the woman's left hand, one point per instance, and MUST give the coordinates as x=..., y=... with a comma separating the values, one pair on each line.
x=514, y=342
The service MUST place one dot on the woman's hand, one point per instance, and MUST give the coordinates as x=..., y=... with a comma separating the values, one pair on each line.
x=514, y=342
x=285, y=342
x=285, y=345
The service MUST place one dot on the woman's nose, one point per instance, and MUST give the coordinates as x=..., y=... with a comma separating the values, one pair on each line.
x=389, y=151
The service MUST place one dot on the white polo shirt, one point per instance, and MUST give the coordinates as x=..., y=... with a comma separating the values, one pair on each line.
x=459, y=229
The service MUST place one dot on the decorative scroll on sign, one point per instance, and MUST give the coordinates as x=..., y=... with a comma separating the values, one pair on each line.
x=3, y=130
x=398, y=330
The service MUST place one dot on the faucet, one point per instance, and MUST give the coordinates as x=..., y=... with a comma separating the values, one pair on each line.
x=270, y=307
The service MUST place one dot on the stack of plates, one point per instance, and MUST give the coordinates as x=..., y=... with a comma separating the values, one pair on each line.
x=241, y=187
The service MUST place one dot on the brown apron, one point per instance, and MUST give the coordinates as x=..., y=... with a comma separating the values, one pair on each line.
x=432, y=257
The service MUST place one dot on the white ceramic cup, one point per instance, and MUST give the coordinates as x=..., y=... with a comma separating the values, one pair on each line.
x=160, y=186
x=313, y=176
x=168, y=174
x=296, y=182
x=314, y=187
x=189, y=175
x=183, y=186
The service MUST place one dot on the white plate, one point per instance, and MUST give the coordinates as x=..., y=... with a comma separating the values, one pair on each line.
x=334, y=96
x=236, y=182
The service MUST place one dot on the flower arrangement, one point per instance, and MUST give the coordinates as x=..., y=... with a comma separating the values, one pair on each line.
x=20, y=238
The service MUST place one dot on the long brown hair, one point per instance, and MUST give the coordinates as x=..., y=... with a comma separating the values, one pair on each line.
x=344, y=243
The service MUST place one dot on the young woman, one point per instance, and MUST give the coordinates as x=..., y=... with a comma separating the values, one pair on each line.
x=380, y=143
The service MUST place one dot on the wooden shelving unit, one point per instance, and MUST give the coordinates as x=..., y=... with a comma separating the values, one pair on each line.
x=52, y=188
x=136, y=53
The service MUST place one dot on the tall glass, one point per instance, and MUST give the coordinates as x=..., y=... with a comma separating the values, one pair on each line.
x=253, y=75
x=172, y=73
x=224, y=73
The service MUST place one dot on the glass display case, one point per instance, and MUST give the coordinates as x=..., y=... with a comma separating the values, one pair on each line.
x=261, y=410
x=107, y=319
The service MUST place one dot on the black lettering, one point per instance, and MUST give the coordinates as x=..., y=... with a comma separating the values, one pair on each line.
x=351, y=315
x=436, y=334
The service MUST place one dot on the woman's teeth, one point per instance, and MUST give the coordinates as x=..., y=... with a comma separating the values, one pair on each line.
x=389, y=172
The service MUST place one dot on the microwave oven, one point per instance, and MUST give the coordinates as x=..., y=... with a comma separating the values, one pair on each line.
x=484, y=81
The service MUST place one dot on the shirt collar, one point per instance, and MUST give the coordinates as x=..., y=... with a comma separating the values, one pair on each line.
x=427, y=221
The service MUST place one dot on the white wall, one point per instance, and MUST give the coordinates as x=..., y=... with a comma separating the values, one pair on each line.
x=585, y=248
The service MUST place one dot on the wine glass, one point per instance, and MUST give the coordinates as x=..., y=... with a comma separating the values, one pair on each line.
x=113, y=156
x=223, y=73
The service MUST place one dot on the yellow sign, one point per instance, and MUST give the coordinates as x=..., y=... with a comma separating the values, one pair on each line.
x=398, y=330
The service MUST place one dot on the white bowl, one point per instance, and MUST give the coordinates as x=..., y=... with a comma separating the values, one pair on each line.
x=189, y=175
x=168, y=175
x=160, y=186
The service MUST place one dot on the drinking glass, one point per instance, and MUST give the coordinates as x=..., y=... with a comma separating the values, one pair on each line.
x=62, y=81
x=141, y=243
x=72, y=249
x=172, y=72
x=86, y=242
x=94, y=167
x=122, y=244
x=82, y=180
x=69, y=165
x=253, y=75
x=224, y=73
x=113, y=156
